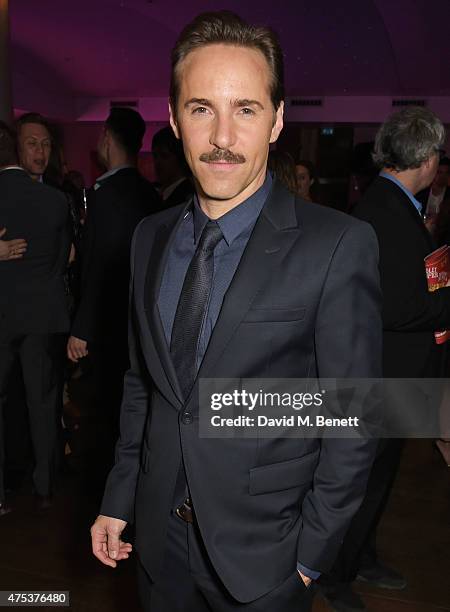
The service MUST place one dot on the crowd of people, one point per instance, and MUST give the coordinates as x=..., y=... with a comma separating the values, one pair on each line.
x=65, y=274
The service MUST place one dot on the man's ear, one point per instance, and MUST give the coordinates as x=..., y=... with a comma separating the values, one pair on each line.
x=173, y=121
x=278, y=123
x=106, y=136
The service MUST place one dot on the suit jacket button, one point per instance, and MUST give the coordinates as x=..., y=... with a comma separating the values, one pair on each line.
x=187, y=418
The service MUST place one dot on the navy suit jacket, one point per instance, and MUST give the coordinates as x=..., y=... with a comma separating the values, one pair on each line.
x=305, y=301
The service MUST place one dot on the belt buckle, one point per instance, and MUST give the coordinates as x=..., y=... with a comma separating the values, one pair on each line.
x=184, y=512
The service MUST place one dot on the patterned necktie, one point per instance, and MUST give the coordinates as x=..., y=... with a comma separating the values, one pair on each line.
x=192, y=306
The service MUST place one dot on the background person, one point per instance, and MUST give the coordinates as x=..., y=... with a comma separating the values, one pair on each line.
x=281, y=164
x=406, y=149
x=119, y=200
x=433, y=196
x=171, y=169
x=33, y=308
x=307, y=180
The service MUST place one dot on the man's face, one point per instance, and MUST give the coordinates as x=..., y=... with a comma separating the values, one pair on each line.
x=34, y=145
x=442, y=177
x=429, y=169
x=226, y=120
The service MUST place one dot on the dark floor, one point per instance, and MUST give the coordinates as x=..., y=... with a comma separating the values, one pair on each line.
x=52, y=552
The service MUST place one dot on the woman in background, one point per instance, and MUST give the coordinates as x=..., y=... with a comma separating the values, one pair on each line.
x=307, y=180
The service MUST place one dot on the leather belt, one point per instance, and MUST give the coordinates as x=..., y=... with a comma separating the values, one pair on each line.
x=185, y=511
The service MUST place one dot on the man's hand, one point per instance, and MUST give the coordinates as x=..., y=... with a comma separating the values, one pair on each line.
x=11, y=249
x=307, y=581
x=72, y=254
x=106, y=543
x=76, y=349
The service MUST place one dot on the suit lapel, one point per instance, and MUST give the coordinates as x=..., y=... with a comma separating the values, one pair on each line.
x=273, y=236
x=155, y=269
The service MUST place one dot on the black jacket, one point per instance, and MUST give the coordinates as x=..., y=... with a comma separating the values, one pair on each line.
x=32, y=292
x=410, y=313
x=114, y=210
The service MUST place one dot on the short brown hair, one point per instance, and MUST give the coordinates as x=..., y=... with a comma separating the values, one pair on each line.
x=225, y=27
x=8, y=151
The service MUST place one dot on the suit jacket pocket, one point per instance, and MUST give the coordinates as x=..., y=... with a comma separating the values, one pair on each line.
x=255, y=315
x=283, y=475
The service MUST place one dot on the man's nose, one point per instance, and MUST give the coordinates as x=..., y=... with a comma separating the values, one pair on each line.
x=223, y=135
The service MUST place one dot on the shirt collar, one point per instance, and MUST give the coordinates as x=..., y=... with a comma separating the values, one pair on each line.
x=167, y=192
x=108, y=174
x=11, y=168
x=413, y=200
x=239, y=218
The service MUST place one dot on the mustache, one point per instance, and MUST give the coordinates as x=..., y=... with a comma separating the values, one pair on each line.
x=222, y=155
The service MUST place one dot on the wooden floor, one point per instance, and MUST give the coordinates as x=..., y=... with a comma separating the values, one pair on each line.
x=414, y=535
x=52, y=552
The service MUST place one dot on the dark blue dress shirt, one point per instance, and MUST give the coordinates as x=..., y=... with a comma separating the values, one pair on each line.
x=236, y=226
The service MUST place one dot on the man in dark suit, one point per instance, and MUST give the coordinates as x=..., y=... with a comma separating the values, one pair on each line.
x=245, y=281
x=119, y=199
x=172, y=171
x=33, y=308
x=407, y=149
x=39, y=155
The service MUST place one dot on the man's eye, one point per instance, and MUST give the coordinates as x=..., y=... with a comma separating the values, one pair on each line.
x=247, y=111
x=200, y=110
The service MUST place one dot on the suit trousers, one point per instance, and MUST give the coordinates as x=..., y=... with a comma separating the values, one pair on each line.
x=189, y=583
x=40, y=357
x=18, y=449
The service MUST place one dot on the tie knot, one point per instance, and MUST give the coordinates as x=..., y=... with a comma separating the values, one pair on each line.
x=211, y=236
